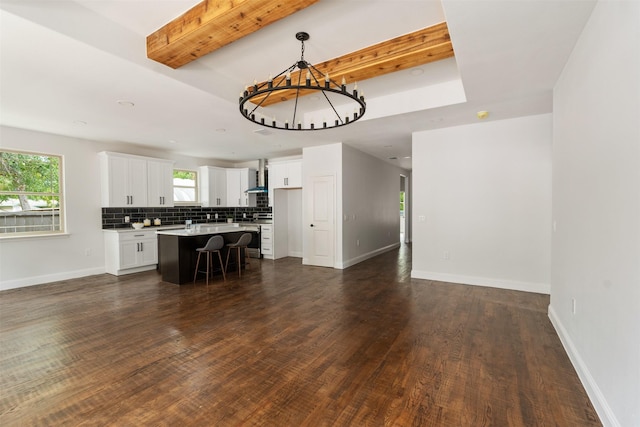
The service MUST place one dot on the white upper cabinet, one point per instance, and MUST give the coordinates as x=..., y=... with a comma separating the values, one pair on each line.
x=238, y=181
x=135, y=181
x=159, y=183
x=124, y=180
x=287, y=174
x=213, y=186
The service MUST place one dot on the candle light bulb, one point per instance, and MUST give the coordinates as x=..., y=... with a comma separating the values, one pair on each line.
x=355, y=87
x=344, y=81
x=255, y=82
x=326, y=77
x=308, y=75
x=270, y=78
x=288, y=75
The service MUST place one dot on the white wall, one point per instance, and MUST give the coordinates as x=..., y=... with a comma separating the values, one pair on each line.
x=32, y=260
x=596, y=206
x=294, y=206
x=370, y=206
x=484, y=191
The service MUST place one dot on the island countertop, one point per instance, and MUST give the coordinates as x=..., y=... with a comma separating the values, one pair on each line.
x=206, y=229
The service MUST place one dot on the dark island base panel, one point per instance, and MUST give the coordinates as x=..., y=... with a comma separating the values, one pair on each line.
x=177, y=257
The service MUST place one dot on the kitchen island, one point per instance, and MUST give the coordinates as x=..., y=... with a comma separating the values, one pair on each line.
x=177, y=253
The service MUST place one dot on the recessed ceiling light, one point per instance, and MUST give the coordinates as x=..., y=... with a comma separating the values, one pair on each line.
x=407, y=157
x=173, y=141
x=417, y=71
x=125, y=103
x=482, y=114
x=221, y=130
x=79, y=122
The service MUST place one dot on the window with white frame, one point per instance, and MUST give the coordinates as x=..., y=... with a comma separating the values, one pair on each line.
x=31, y=199
x=185, y=186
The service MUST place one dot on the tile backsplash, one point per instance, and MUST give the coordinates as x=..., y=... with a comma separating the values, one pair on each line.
x=114, y=217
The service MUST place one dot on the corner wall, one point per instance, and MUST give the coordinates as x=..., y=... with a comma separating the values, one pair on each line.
x=367, y=205
x=370, y=206
x=482, y=204
x=596, y=207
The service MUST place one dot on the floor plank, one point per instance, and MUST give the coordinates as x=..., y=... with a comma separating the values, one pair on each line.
x=284, y=345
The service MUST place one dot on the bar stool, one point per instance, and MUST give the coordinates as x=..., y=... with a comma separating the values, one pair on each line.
x=214, y=244
x=242, y=243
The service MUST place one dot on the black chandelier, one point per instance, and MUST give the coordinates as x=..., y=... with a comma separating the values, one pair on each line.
x=282, y=82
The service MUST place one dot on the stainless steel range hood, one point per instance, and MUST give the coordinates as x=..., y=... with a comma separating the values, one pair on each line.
x=261, y=188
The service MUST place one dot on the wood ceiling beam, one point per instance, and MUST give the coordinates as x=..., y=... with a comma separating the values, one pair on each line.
x=410, y=50
x=215, y=23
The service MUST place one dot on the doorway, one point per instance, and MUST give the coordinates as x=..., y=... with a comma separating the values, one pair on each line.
x=404, y=209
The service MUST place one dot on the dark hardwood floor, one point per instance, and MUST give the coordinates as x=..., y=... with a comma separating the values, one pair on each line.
x=285, y=345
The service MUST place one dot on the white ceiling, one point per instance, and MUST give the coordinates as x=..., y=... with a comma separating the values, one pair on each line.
x=64, y=65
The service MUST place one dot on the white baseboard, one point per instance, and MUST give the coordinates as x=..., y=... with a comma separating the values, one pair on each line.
x=539, y=288
x=364, y=257
x=607, y=417
x=48, y=278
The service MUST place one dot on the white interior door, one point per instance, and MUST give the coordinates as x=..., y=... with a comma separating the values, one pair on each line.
x=321, y=229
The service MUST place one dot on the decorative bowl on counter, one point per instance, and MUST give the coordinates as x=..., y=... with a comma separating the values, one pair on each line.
x=137, y=225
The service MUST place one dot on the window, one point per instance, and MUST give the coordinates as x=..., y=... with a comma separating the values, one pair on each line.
x=185, y=186
x=31, y=201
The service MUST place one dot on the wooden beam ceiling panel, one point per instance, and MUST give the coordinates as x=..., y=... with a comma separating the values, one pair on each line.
x=215, y=23
x=410, y=50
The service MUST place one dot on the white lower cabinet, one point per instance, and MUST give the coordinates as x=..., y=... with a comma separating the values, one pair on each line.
x=130, y=251
x=266, y=241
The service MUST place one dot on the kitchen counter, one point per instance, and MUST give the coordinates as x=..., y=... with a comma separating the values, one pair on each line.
x=133, y=230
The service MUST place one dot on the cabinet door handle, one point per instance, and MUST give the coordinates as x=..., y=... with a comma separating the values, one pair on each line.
x=137, y=247
x=141, y=247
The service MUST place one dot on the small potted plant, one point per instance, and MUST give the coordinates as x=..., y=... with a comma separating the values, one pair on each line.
x=230, y=219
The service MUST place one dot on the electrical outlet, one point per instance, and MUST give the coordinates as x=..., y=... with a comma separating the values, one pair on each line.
x=127, y=219
x=215, y=216
x=87, y=252
x=573, y=306
x=208, y=216
x=244, y=214
x=446, y=255
x=358, y=242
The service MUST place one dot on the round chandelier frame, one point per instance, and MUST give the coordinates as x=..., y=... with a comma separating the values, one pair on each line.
x=315, y=80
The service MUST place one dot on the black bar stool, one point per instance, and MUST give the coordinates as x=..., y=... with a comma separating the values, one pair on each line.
x=214, y=244
x=242, y=243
